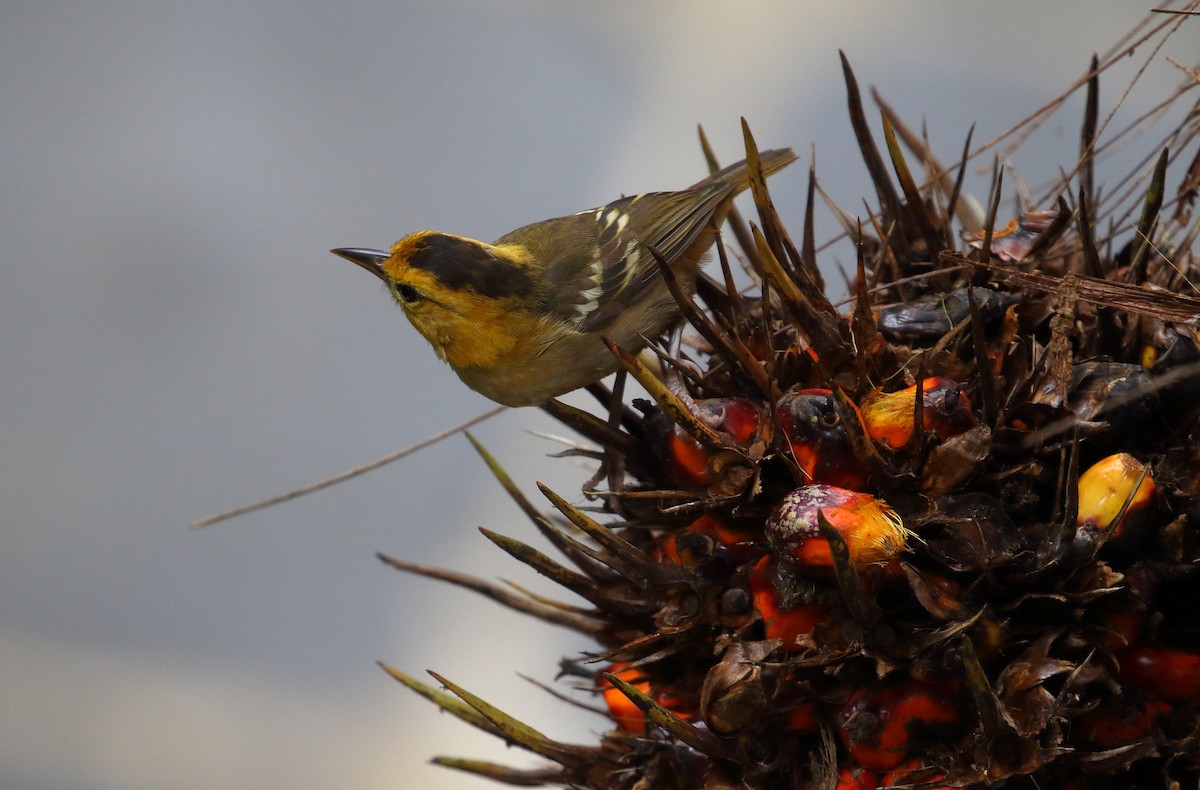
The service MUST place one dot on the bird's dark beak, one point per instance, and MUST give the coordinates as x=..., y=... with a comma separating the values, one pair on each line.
x=371, y=260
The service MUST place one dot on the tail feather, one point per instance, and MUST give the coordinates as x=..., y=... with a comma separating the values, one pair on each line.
x=737, y=175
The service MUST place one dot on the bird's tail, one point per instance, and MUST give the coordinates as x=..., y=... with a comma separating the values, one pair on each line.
x=737, y=175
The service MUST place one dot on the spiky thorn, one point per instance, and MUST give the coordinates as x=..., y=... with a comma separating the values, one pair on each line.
x=1087, y=139
x=591, y=427
x=986, y=703
x=1185, y=200
x=952, y=206
x=863, y=327
x=700, y=740
x=741, y=232
x=889, y=201
x=516, y=777
x=860, y=442
x=727, y=344
x=576, y=758
x=1070, y=511
x=987, y=382
x=1045, y=239
x=577, y=583
x=862, y=611
x=556, y=613
x=562, y=696
x=625, y=570
x=989, y=223
x=675, y=409
x=819, y=324
x=630, y=419
x=917, y=207
x=917, y=440
x=767, y=215
x=628, y=555
x=808, y=249
x=917, y=448
x=581, y=560
x=447, y=702
x=807, y=278
x=502, y=477
x=647, y=648
x=845, y=219
x=1061, y=524
x=1092, y=266
x=615, y=585
x=937, y=175
x=1149, y=220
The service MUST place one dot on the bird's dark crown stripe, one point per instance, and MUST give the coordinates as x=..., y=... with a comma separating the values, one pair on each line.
x=459, y=263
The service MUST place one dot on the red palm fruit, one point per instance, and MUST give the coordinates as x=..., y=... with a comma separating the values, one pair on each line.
x=779, y=622
x=812, y=423
x=803, y=718
x=945, y=412
x=1103, y=489
x=667, y=549
x=878, y=725
x=1124, y=628
x=687, y=460
x=1128, y=720
x=679, y=547
x=873, y=531
x=1163, y=671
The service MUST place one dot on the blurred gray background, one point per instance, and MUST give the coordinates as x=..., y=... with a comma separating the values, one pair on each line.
x=177, y=340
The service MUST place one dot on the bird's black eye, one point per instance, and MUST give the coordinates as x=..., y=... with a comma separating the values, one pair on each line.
x=406, y=293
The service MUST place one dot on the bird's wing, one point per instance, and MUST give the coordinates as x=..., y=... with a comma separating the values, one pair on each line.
x=602, y=265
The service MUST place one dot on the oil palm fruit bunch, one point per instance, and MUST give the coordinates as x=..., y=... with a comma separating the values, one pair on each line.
x=944, y=535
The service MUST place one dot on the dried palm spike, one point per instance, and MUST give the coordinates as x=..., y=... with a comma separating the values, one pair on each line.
x=627, y=716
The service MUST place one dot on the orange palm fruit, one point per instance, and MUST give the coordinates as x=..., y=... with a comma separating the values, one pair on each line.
x=1103, y=489
x=873, y=531
x=889, y=416
x=687, y=460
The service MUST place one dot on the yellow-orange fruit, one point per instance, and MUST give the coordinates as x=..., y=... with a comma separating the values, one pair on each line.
x=1105, y=486
x=889, y=416
x=873, y=531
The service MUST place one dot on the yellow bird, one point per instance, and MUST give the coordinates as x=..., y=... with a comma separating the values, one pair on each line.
x=520, y=320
